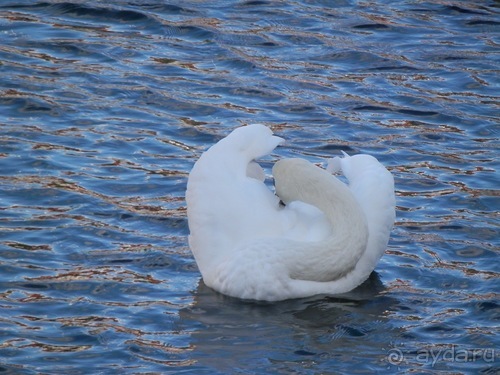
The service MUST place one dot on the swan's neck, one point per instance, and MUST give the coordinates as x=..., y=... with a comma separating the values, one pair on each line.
x=332, y=258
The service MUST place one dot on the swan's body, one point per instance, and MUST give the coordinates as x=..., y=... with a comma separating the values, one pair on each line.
x=326, y=240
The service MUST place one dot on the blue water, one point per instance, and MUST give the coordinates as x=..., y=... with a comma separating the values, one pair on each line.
x=104, y=108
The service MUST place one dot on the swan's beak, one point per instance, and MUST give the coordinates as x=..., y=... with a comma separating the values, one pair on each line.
x=334, y=165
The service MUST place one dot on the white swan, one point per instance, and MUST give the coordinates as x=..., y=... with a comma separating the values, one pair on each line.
x=327, y=238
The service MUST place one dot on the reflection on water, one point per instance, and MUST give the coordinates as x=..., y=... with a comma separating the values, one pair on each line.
x=105, y=108
x=318, y=330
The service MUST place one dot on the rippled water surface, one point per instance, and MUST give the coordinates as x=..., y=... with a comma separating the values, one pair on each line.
x=104, y=108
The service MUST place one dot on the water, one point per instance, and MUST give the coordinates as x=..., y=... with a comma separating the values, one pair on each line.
x=105, y=106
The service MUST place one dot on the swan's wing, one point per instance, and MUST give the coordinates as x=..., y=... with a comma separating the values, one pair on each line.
x=373, y=186
x=227, y=200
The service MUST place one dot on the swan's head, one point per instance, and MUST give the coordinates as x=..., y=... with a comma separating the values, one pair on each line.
x=253, y=141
